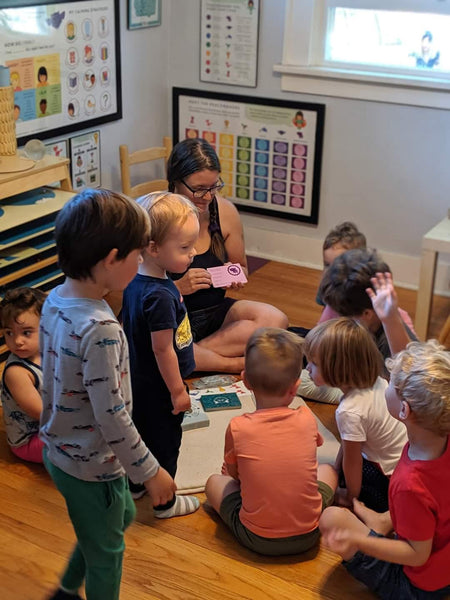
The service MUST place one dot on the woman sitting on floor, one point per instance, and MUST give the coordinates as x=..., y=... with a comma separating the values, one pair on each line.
x=220, y=325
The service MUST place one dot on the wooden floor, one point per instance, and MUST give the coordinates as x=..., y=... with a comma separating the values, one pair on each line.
x=192, y=557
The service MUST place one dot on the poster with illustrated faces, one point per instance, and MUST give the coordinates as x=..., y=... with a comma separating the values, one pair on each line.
x=270, y=151
x=62, y=63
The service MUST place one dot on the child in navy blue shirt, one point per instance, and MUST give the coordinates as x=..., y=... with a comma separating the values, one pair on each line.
x=159, y=334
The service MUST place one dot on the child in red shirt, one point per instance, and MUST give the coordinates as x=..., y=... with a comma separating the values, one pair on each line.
x=415, y=563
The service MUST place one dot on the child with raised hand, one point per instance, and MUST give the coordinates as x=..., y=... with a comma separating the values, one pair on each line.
x=274, y=491
x=414, y=564
x=20, y=310
x=343, y=354
x=90, y=440
x=161, y=345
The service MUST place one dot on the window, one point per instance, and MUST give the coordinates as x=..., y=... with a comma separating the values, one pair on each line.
x=385, y=50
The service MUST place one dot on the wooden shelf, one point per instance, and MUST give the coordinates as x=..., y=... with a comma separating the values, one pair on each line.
x=27, y=252
x=30, y=206
x=45, y=172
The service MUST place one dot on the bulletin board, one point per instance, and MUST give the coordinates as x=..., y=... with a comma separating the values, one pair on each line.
x=270, y=151
x=64, y=62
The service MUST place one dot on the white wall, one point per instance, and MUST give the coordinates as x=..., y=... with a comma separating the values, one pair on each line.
x=145, y=96
x=384, y=166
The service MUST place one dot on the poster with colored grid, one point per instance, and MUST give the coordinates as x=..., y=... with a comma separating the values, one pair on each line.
x=269, y=150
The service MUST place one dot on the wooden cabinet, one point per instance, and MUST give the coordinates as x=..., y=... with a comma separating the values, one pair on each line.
x=28, y=208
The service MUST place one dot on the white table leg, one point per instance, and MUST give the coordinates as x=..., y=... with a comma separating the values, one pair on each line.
x=425, y=292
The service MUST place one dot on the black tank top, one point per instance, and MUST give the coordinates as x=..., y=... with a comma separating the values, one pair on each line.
x=211, y=296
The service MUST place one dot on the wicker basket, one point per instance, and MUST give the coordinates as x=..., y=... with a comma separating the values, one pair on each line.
x=8, y=141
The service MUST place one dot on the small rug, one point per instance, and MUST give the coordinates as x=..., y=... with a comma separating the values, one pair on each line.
x=201, y=452
x=254, y=263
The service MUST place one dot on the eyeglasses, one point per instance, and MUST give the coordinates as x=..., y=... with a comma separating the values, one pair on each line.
x=200, y=193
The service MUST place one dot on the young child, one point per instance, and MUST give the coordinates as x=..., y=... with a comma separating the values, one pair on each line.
x=161, y=346
x=343, y=354
x=341, y=238
x=413, y=564
x=90, y=439
x=22, y=376
x=347, y=287
x=274, y=492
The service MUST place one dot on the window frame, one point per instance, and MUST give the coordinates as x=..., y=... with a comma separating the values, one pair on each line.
x=303, y=68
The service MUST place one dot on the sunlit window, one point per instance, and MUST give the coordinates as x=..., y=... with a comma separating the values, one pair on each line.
x=380, y=50
x=387, y=38
x=25, y=20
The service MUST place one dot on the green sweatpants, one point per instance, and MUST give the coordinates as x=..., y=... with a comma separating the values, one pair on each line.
x=100, y=512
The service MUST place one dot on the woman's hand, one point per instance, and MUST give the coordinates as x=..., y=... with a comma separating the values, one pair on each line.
x=193, y=280
x=234, y=285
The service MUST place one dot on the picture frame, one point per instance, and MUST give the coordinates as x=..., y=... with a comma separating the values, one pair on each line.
x=270, y=150
x=143, y=14
x=66, y=74
x=85, y=160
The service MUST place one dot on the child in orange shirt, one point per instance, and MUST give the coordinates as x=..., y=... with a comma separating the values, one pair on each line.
x=271, y=498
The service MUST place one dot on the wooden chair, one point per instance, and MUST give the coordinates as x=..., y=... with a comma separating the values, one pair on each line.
x=128, y=159
x=444, y=336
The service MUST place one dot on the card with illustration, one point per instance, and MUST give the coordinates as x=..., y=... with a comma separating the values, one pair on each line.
x=225, y=275
x=225, y=401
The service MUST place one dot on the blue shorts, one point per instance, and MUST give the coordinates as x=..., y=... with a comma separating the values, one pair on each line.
x=207, y=321
x=388, y=580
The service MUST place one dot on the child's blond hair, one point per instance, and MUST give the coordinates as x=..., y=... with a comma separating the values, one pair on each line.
x=420, y=375
x=166, y=210
x=345, y=353
x=273, y=360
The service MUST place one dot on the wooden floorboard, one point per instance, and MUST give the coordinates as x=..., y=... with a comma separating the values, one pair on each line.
x=193, y=557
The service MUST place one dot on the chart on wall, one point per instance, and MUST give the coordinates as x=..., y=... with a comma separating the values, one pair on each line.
x=229, y=41
x=270, y=150
x=63, y=60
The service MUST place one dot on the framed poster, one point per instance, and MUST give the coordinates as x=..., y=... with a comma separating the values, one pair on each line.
x=64, y=63
x=144, y=13
x=85, y=160
x=229, y=41
x=270, y=150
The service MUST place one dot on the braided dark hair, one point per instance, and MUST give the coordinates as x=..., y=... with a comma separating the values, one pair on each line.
x=190, y=156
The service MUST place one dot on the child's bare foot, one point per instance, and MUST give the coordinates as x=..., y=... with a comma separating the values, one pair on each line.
x=379, y=522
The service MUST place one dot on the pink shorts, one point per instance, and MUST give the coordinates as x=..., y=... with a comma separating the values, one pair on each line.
x=32, y=451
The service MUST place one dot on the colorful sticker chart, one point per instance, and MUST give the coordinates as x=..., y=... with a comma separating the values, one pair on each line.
x=229, y=41
x=85, y=160
x=270, y=151
x=63, y=60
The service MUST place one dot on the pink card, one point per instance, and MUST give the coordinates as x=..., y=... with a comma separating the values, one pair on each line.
x=226, y=275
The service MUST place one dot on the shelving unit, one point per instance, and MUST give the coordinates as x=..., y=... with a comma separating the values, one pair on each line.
x=28, y=208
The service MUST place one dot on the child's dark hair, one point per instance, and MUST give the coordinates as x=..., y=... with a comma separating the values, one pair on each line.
x=190, y=156
x=42, y=71
x=92, y=224
x=273, y=360
x=344, y=283
x=20, y=300
x=346, y=234
x=345, y=353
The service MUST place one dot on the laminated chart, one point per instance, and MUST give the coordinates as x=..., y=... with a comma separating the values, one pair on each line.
x=270, y=151
x=63, y=64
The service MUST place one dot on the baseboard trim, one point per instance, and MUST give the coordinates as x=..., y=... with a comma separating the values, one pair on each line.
x=307, y=252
